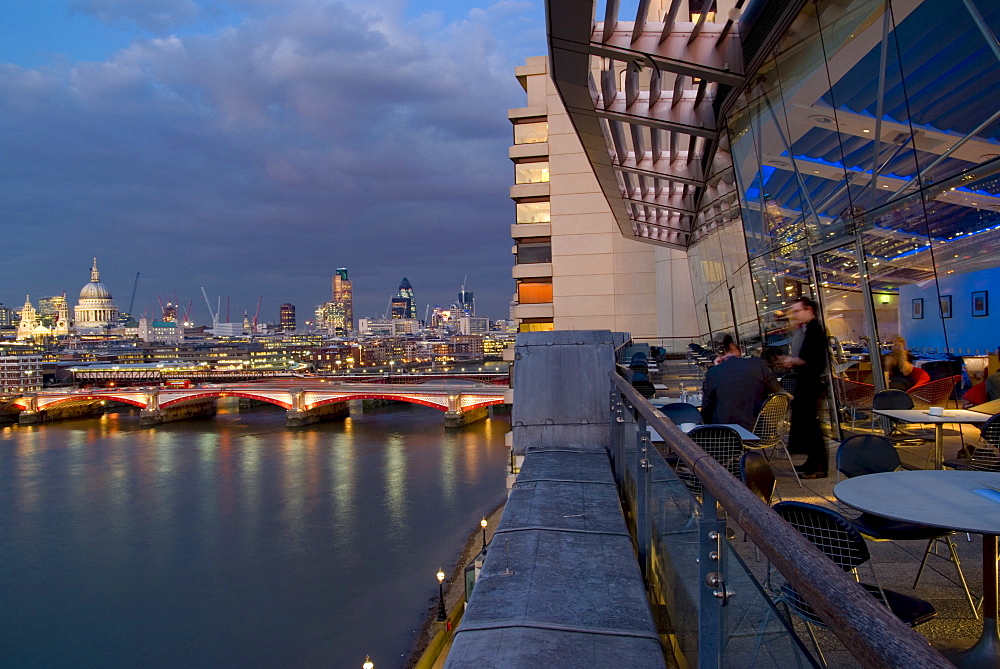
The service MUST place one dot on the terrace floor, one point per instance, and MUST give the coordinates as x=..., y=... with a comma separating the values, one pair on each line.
x=895, y=562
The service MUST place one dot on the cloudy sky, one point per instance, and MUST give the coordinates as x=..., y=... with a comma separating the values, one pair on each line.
x=252, y=146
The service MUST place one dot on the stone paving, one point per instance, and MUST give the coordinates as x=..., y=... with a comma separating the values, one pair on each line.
x=895, y=562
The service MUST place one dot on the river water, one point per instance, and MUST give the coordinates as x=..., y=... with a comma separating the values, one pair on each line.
x=234, y=541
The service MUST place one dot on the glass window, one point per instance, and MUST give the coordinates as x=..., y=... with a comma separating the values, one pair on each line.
x=534, y=291
x=534, y=212
x=534, y=132
x=534, y=250
x=536, y=325
x=531, y=173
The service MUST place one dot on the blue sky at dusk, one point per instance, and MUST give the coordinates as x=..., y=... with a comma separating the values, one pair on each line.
x=252, y=146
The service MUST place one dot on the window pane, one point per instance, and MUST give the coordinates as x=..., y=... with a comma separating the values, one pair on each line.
x=534, y=251
x=531, y=133
x=535, y=325
x=534, y=292
x=534, y=212
x=531, y=173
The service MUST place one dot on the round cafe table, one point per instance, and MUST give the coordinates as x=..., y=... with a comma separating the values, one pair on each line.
x=945, y=499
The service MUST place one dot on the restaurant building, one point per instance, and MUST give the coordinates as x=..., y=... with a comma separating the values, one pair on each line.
x=848, y=150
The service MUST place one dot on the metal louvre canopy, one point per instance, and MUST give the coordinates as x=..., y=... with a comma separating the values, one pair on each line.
x=644, y=98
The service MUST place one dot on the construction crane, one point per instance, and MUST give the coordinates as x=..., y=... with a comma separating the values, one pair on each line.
x=135, y=286
x=253, y=329
x=214, y=314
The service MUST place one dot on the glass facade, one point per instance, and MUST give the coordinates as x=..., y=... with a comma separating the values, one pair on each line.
x=866, y=156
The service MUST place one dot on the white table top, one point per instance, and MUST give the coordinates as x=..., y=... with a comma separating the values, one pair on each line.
x=745, y=434
x=660, y=401
x=921, y=416
x=928, y=497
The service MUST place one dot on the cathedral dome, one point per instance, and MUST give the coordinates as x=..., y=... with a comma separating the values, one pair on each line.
x=95, y=290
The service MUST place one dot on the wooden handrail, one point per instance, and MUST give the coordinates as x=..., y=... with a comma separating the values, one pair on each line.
x=868, y=629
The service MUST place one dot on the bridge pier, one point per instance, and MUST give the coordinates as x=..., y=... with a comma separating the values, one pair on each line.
x=298, y=418
x=156, y=416
x=455, y=416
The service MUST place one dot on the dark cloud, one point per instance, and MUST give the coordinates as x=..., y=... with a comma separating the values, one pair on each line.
x=256, y=158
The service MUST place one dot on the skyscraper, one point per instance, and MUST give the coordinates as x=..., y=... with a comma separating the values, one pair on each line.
x=467, y=302
x=286, y=317
x=343, y=298
x=406, y=291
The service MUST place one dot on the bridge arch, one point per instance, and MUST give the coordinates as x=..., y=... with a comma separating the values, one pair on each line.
x=440, y=406
x=217, y=393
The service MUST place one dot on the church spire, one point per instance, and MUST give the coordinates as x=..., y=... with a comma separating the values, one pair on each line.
x=95, y=274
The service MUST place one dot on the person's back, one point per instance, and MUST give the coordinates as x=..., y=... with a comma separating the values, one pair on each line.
x=735, y=390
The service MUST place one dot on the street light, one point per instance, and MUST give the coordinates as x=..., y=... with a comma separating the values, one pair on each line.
x=442, y=616
x=482, y=523
x=368, y=663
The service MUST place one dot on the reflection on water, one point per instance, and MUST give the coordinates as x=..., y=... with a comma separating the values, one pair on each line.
x=234, y=541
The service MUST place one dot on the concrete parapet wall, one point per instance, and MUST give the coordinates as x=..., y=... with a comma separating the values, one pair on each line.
x=561, y=387
x=60, y=413
x=459, y=419
x=560, y=585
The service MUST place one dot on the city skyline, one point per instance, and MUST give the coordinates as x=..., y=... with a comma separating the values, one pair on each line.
x=251, y=149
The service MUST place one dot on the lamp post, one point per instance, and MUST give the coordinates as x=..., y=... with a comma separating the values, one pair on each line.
x=442, y=616
x=482, y=524
x=368, y=663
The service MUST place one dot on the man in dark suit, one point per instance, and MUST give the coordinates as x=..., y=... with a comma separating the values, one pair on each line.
x=736, y=388
x=808, y=361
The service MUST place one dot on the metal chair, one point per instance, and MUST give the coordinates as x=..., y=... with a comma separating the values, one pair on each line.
x=890, y=399
x=682, y=412
x=840, y=541
x=722, y=443
x=871, y=454
x=771, y=426
x=986, y=454
x=789, y=382
x=852, y=396
x=934, y=393
x=640, y=381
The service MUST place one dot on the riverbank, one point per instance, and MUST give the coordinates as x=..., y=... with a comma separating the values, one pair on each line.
x=454, y=584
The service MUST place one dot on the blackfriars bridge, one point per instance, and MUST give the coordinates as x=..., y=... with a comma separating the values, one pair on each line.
x=305, y=401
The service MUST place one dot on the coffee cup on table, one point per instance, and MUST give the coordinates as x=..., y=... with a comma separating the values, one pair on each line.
x=935, y=411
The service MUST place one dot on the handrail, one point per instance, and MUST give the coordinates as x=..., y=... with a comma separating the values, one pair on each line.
x=869, y=630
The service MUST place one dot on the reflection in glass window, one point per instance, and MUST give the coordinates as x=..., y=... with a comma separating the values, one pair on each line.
x=531, y=173
x=534, y=291
x=534, y=212
x=534, y=250
x=531, y=133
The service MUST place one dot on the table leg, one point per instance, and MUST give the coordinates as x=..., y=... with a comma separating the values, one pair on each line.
x=938, y=445
x=986, y=652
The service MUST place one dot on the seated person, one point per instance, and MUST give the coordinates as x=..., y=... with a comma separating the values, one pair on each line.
x=993, y=386
x=735, y=390
x=900, y=374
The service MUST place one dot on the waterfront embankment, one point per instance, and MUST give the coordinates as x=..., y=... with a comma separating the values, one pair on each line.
x=454, y=592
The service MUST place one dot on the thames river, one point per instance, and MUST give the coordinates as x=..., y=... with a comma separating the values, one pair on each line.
x=234, y=541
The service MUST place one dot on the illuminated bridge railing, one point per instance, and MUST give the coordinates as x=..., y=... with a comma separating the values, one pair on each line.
x=689, y=564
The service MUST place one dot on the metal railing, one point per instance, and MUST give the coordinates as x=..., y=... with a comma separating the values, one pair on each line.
x=719, y=614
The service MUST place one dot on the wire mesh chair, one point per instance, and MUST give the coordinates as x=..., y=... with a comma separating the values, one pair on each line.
x=986, y=454
x=789, y=382
x=871, y=454
x=852, y=396
x=840, y=541
x=934, y=393
x=722, y=443
x=682, y=412
x=771, y=426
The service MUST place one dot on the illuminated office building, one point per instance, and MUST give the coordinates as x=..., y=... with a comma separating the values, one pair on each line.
x=406, y=292
x=343, y=298
x=399, y=307
x=286, y=317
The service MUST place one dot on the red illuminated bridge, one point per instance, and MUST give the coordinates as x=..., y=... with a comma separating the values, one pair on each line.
x=305, y=400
